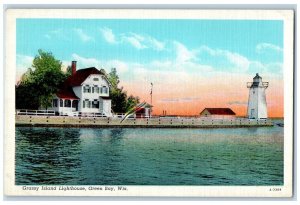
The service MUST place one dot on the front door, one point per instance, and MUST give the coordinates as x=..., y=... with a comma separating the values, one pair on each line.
x=75, y=105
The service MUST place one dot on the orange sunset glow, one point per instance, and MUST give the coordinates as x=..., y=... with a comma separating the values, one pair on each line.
x=193, y=96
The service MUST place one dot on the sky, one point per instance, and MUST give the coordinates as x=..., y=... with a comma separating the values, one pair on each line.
x=192, y=63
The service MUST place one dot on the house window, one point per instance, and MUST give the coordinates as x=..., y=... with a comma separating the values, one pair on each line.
x=61, y=103
x=96, y=79
x=96, y=88
x=67, y=103
x=86, y=89
x=86, y=104
x=95, y=104
x=104, y=89
x=54, y=102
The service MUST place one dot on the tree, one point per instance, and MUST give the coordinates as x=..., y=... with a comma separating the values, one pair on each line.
x=40, y=82
x=120, y=102
x=69, y=71
x=131, y=102
x=113, y=78
x=26, y=98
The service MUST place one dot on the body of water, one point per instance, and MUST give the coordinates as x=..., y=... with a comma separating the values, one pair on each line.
x=136, y=156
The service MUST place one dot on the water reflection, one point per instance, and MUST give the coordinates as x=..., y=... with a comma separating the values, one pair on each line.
x=102, y=155
x=82, y=156
x=46, y=155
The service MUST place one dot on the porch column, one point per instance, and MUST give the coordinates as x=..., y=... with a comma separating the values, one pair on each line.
x=63, y=107
x=71, y=105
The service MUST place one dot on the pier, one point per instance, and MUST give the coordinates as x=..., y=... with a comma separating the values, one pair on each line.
x=154, y=122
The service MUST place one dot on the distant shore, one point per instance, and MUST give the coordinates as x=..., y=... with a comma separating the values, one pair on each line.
x=103, y=122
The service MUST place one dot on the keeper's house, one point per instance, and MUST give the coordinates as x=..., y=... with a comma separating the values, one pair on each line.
x=86, y=91
x=218, y=113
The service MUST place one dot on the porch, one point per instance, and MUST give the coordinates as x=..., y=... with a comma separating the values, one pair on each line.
x=65, y=106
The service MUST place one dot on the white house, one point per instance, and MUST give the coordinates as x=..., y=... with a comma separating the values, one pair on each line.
x=86, y=91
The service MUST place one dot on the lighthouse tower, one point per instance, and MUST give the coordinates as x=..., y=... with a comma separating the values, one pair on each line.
x=257, y=104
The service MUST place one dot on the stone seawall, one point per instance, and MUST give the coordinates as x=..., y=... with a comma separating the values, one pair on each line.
x=65, y=121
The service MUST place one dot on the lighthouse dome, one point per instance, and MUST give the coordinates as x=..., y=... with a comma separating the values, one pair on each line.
x=257, y=78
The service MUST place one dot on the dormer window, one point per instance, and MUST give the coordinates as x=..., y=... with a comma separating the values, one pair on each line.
x=96, y=79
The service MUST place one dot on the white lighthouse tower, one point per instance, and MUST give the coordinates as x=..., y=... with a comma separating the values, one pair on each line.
x=257, y=104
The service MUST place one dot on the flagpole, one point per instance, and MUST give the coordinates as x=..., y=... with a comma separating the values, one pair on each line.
x=151, y=98
x=151, y=92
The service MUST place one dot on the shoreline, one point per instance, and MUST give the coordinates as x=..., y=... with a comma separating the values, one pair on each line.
x=92, y=122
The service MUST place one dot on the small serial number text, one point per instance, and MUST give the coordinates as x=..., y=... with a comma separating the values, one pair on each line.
x=275, y=189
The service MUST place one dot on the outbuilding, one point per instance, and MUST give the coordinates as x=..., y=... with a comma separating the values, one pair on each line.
x=144, y=112
x=217, y=113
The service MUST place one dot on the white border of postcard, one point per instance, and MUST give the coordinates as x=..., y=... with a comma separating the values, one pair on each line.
x=192, y=191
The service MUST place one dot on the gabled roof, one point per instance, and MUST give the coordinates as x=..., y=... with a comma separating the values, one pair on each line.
x=219, y=111
x=67, y=93
x=147, y=105
x=79, y=77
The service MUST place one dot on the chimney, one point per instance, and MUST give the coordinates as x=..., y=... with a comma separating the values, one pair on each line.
x=74, y=67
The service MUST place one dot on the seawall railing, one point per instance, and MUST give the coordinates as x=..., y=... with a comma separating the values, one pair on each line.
x=35, y=112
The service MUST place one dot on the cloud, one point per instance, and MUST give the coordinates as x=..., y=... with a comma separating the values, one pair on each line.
x=155, y=44
x=83, y=62
x=57, y=33
x=185, y=60
x=82, y=35
x=184, y=99
x=266, y=47
x=223, y=59
x=108, y=35
x=165, y=64
x=64, y=34
x=183, y=55
x=239, y=61
x=274, y=68
x=121, y=66
x=237, y=103
x=136, y=40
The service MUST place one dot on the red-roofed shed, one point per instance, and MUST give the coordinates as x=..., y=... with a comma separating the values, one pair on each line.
x=217, y=112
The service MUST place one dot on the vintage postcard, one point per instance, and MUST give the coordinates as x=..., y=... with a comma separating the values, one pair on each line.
x=141, y=102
